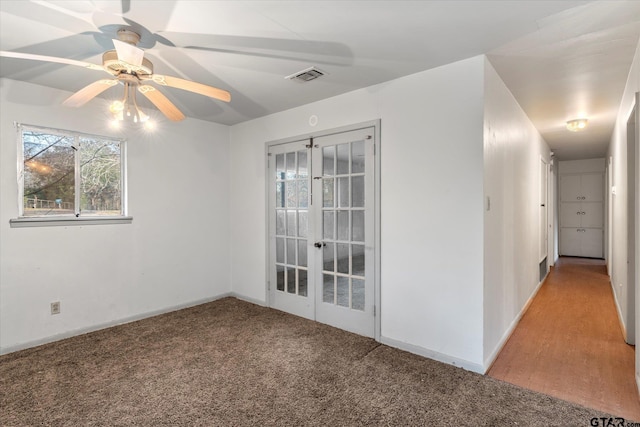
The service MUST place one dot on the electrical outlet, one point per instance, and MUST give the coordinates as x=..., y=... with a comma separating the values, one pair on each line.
x=55, y=307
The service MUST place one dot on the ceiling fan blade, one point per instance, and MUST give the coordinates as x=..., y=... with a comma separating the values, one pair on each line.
x=161, y=102
x=44, y=58
x=199, y=88
x=89, y=92
x=128, y=53
x=266, y=47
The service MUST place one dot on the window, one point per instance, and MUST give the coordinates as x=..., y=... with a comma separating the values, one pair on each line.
x=70, y=174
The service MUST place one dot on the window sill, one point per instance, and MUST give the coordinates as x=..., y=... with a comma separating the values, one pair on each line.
x=64, y=221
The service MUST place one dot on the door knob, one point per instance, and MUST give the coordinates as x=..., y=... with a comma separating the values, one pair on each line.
x=319, y=244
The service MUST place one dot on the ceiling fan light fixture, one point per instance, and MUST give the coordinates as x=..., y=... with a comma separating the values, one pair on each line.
x=127, y=110
x=577, y=125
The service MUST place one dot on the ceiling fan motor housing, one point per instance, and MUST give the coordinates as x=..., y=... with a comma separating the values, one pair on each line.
x=128, y=36
x=116, y=67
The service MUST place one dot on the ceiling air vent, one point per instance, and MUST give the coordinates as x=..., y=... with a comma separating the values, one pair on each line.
x=307, y=75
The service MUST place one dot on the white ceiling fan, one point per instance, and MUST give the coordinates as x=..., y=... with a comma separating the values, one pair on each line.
x=128, y=66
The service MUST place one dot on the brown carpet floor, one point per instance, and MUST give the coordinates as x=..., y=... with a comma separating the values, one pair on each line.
x=231, y=363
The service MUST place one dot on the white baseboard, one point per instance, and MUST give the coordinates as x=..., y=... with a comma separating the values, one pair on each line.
x=505, y=337
x=430, y=354
x=248, y=299
x=623, y=327
x=116, y=322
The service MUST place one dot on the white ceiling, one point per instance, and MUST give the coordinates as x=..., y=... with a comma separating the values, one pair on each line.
x=561, y=59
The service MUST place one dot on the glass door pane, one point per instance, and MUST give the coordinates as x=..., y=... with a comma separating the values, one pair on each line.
x=345, y=219
x=321, y=229
x=289, y=228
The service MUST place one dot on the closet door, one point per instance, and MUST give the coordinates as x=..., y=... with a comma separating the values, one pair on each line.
x=570, y=188
x=592, y=187
x=570, y=214
x=570, y=242
x=591, y=242
x=592, y=215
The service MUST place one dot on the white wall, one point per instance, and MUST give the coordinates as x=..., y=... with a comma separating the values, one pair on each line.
x=618, y=152
x=512, y=151
x=174, y=253
x=431, y=203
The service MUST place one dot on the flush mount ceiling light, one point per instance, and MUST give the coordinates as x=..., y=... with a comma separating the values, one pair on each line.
x=577, y=125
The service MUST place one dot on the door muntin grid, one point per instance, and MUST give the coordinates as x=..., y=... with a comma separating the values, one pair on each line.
x=343, y=225
x=292, y=221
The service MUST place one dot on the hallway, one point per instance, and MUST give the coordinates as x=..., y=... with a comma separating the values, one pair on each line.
x=569, y=343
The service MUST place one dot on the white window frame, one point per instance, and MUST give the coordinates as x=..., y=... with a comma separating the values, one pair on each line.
x=69, y=219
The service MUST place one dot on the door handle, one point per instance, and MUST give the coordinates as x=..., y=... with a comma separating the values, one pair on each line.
x=319, y=244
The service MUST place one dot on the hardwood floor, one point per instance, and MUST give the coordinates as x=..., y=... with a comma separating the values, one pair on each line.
x=569, y=343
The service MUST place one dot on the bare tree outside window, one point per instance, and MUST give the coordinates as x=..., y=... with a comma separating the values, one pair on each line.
x=69, y=174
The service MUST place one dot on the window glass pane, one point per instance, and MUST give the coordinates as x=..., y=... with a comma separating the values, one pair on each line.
x=357, y=294
x=343, y=159
x=291, y=223
x=343, y=258
x=291, y=251
x=328, y=154
x=357, y=226
x=303, y=171
x=343, y=292
x=100, y=171
x=327, y=288
x=291, y=280
x=343, y=225
x=303, y=193
x=49, y=174
x=357, y=157
x=357, y=191
x=65, y=173
x=279, y=166
x=357, y=260
x=280, y=222
x=280, y=250
x=343, y=192
x=327, y=257
x=303, y=224
x=280, y=277
x=327, y=223
x=291, y=194
x=302, y=283
x=280, y=194
x=291, y=165
x=327, y=193
x=302, y=253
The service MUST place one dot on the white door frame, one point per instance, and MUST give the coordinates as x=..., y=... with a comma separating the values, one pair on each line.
x=377, y=150
x=633, y=219
x=543, y=209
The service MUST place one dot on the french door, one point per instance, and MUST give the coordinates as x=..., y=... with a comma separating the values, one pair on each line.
x=321, y=229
